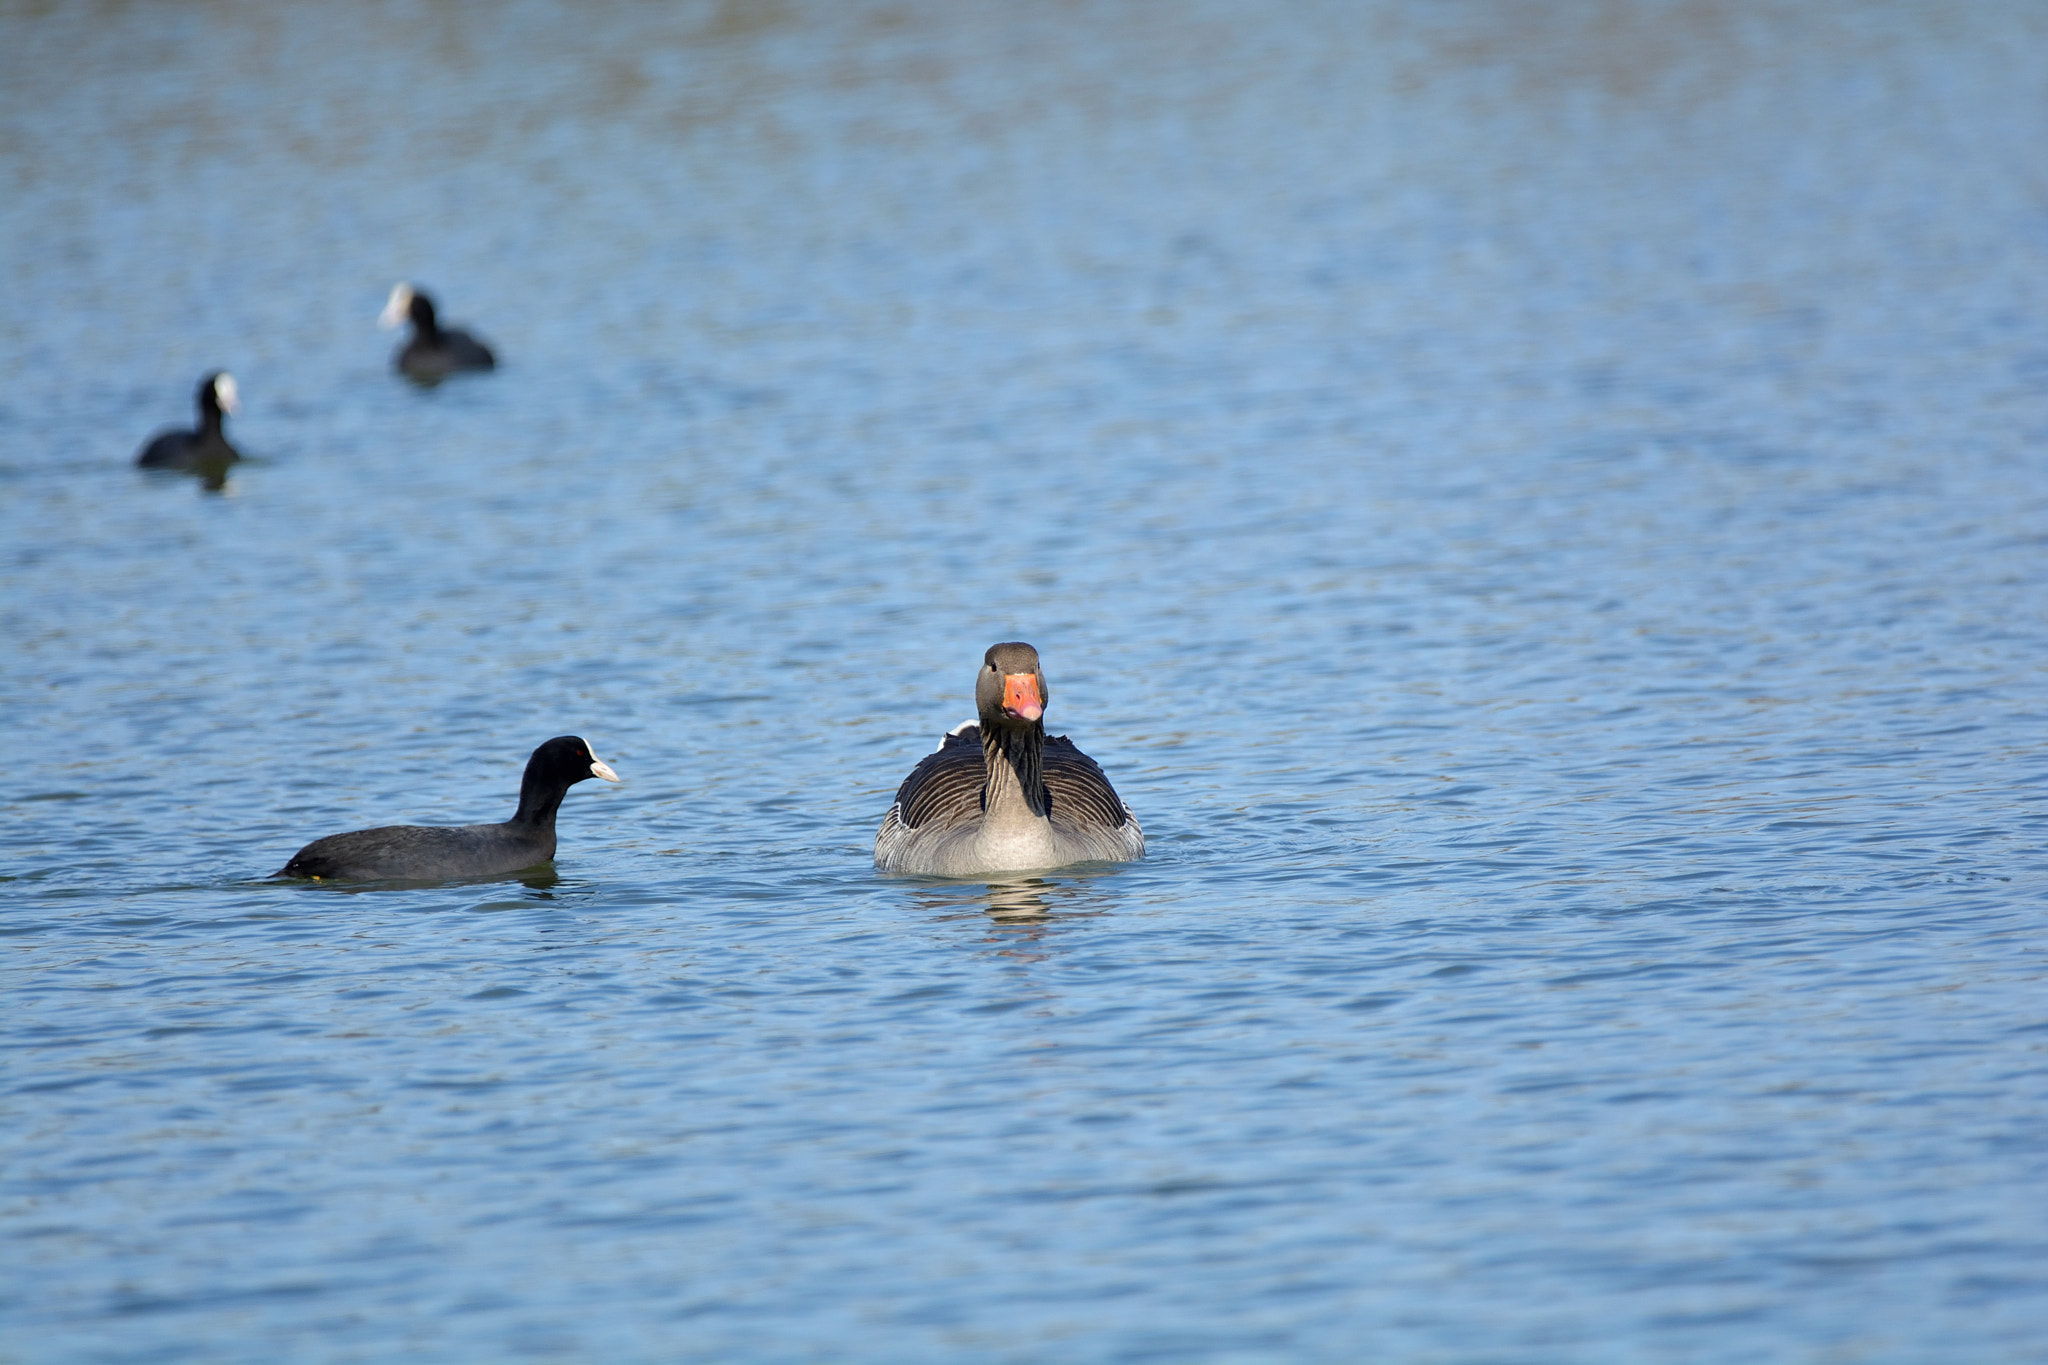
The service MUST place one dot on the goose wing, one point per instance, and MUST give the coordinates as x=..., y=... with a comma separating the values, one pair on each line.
x=944, y=789
x=1080, y=792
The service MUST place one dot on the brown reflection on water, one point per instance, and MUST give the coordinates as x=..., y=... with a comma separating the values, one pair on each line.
x=444, y=85
x=1019, y=913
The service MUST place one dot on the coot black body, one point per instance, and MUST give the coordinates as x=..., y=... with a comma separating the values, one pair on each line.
x=439, y=852
x=204, y=450
x=434, y=352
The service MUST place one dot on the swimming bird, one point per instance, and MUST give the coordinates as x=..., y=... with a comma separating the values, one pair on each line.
x=999, y=795
x=435, y=852
x=206, y=449
x=434, y=352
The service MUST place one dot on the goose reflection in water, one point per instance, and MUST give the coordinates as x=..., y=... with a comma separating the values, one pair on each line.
x=1025, y=901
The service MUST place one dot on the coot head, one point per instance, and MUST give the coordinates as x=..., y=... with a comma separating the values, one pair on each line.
x=408, y=302
x=568, y=760
x=218, y=395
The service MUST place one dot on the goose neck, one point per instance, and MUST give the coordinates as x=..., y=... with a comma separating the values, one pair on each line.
x=1014, y=757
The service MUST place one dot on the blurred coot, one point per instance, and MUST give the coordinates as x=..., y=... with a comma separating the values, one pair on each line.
x=434, y=352
x=204, y=450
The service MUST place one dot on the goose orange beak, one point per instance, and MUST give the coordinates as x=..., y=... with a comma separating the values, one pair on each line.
x=1020, y=696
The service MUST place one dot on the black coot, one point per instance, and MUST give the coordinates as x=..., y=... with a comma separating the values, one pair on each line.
x=435, y=352
x=437, y=852
x=204, y=451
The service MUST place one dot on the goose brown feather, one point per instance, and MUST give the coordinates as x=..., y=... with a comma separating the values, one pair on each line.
x=946, y=786
x=1000, y=795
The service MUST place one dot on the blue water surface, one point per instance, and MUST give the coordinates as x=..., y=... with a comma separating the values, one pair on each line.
x=1541, y=509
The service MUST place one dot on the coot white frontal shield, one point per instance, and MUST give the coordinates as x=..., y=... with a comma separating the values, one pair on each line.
x=396, y=307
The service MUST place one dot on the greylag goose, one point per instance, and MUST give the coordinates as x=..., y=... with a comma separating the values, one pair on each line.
x=434, y=352
x=204, y=450
x=999, y=795
x=438, y=852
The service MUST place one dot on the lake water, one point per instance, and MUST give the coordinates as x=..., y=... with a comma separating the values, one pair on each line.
x=1541, y=509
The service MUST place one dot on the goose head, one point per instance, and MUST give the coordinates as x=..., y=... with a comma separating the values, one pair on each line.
x=1010, y=692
